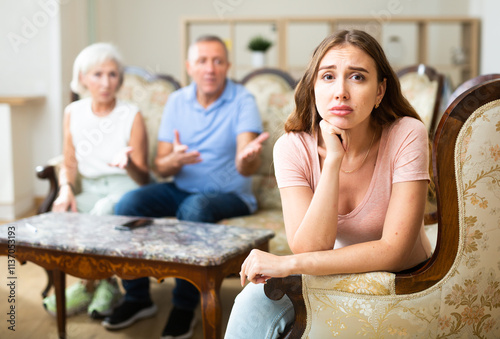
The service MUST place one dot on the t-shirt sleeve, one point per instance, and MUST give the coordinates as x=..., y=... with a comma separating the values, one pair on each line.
x=166, y=130
x=248, y=117
x=411, y=161
x=289, y=169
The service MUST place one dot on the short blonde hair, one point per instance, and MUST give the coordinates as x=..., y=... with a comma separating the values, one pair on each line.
x=91, y=56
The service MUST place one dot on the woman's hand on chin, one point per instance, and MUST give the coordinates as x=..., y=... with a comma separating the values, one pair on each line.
x=336, y=140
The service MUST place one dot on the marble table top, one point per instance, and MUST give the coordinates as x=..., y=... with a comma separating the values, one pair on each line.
x=165, y=240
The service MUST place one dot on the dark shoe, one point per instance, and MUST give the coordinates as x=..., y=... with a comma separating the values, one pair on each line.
x=128, y=313
x=180, y=324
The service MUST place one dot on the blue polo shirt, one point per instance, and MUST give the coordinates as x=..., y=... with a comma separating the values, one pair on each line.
x=212, y=132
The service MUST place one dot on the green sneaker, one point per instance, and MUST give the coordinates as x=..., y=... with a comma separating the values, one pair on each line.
x=77, y=300
x=106, y=297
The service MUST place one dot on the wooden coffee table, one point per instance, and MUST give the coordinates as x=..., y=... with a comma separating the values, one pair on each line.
x=90, y=247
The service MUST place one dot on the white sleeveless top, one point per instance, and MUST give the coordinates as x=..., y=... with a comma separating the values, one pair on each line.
x=97, y=140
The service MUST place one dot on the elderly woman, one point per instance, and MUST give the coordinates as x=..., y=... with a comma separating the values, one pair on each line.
x=105, y=144
x=352, y=170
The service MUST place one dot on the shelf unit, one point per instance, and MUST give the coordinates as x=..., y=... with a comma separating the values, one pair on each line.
x=465, y=30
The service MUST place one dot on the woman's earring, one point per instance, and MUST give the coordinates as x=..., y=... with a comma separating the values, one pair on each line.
x=376, y=105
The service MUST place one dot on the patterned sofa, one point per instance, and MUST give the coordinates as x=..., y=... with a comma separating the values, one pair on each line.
x=457, y=293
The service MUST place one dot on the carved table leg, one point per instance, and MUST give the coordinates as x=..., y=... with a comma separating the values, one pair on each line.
x=60, y=287
x=211, y=305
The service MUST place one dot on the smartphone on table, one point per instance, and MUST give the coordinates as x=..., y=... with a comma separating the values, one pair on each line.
x=134, y=223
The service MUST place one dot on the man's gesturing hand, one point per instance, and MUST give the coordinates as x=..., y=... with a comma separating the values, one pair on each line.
x=253, y=148
x=182, y=156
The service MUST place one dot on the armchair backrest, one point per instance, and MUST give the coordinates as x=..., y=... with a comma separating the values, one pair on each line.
x=457, y=145
x=473, y=289
x=273, y=90
x=471, y=83
x=423, y=87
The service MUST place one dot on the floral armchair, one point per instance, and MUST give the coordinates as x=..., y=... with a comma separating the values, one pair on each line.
x=274, y=92
x=457, y=293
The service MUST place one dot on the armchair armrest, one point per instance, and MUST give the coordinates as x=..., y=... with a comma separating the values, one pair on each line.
x=276, y=288
x=295, y=286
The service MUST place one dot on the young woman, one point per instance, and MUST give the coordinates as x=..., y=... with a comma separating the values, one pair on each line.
x=352, y=170
x=105, y=144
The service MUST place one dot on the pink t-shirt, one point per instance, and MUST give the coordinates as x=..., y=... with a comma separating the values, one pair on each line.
x=402, y=156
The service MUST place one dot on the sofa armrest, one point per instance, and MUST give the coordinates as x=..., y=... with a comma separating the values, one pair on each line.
x=48, y=172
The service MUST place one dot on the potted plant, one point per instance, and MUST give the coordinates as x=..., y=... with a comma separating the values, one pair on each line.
x=259, y=45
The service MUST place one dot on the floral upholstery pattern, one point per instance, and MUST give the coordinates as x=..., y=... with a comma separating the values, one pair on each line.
x=466, y=303
x=275, y=100
x=421, y=92
x=372, y=283
x=150, y=97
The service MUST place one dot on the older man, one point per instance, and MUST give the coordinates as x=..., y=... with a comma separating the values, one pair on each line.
x=209, y=142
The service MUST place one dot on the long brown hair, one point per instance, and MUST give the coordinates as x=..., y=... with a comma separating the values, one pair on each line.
x=305, y=117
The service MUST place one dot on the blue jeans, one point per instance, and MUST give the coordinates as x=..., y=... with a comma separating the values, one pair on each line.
x=254, y=315
x=166, y=200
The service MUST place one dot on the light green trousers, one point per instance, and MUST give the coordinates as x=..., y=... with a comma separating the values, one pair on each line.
x=99, y=196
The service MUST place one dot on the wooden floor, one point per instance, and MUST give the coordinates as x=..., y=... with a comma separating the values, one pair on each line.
x=32, y=321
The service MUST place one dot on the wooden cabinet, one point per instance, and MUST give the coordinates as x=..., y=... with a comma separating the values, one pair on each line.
x=449, y=44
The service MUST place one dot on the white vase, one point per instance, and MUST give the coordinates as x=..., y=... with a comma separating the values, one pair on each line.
x=258, y=59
